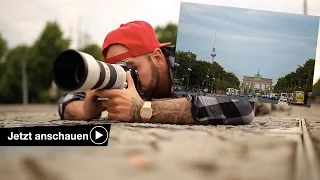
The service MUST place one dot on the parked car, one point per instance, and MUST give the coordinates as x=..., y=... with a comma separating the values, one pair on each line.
x=283, y=95
x=283, y=101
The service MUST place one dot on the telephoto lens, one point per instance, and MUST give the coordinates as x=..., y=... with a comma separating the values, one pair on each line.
x=78, y=71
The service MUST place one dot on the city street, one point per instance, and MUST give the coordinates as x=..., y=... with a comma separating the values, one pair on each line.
x=245, y=98
x=260, y=99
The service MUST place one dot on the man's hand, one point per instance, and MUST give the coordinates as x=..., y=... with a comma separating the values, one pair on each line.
x=125, y=104
x=92, y=107
x=84, y=109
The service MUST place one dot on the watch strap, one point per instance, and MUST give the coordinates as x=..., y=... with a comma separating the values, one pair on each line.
x=147, y=104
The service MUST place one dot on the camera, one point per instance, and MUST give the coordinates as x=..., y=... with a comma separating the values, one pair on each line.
x=78, y=71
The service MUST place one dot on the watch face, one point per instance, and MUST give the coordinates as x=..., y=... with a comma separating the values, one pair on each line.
x=146, y=112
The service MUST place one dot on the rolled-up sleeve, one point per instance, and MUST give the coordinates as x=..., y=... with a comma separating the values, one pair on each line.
x=221, y=110
x=67, y=98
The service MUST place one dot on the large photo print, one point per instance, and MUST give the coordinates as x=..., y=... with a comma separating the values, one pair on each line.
x=246, y=54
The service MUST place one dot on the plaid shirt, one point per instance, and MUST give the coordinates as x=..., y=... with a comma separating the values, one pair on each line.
x=217, y=110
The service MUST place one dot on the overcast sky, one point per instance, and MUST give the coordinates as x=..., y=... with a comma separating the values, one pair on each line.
x=22, y=20
x=248, y=40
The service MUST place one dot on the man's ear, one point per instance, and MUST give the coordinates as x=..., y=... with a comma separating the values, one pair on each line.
x=158, y=57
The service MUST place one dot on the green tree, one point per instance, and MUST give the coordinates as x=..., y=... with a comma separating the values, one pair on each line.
x=3, y=49
x=48, y=45
x=10, y=82
x=316, y=89
x=203, y=73
x=3, y=46
x=94, y=50
x=2, y=68
x=185, y=60
x=167, y=33
x=300, y=79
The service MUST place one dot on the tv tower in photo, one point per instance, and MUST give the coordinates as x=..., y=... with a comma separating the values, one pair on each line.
x=213, y=53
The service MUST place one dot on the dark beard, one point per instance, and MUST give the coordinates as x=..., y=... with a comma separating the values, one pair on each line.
x=153, y=85
x=156, y=89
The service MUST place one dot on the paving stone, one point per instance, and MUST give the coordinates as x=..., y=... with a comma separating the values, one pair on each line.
x=157, y=151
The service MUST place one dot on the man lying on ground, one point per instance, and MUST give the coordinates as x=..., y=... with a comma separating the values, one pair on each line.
x=137, y=44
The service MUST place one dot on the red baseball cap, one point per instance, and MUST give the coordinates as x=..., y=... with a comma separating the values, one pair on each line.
x=138, y=36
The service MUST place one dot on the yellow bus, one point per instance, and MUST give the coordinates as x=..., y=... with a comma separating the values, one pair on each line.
x=298, y=98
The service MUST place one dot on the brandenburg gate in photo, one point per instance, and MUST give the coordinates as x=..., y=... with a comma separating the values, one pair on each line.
x=250, y=82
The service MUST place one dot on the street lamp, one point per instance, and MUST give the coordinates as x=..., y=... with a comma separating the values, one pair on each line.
x=189, y=70
x=207, y=81
x=176, y=65
x=207, y=78
x=24, y=73
x=212, y=84
x=181, y=81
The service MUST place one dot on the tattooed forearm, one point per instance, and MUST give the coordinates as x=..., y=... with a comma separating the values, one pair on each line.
x=172, y=111
x=135, y=110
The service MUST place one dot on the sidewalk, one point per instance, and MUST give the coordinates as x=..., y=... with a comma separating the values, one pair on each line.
x=155, y=151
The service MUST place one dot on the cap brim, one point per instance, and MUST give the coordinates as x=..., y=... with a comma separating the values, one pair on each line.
x=165, y=44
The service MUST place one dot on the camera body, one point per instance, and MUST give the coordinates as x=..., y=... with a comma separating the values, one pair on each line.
x=134, y=74
x=78, y=71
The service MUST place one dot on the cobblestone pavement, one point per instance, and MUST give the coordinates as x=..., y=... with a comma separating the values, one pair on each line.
x=155, y=151
x=312, y=116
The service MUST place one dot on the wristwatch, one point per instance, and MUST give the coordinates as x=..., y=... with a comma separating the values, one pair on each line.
x=146, y=111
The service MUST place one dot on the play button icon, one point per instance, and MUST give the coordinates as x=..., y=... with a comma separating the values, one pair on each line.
x=99, y=135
